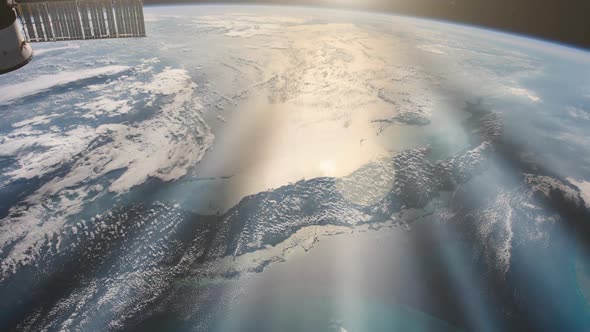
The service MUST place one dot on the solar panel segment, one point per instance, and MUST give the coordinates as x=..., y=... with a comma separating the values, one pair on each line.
x=81, y=19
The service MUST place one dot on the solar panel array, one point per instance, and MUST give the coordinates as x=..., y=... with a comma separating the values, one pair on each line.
x=84, y=19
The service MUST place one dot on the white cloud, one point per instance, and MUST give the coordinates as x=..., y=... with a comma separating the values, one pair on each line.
x=577, y=113
x=165, y=146
x=41, y=50
x=239, y=25
x=10, y=93
x=38, y=153
x=584, y=187
x=35, y=121
x=104, y=105
x=521, y=92
x=433, y=48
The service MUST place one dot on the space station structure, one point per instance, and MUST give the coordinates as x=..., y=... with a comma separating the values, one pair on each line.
x=28, y=21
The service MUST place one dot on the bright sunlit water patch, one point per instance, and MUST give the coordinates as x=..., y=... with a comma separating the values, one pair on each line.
x=328, y=168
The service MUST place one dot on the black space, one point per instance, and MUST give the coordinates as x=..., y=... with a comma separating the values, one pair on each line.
x=564, y=21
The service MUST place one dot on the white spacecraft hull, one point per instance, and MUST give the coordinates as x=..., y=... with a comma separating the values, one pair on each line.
x=14, y=51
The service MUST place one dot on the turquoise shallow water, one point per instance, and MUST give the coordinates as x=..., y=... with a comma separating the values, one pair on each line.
x=302, y=312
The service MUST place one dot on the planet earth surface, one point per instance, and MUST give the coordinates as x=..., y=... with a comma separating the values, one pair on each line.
x=248, y=168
